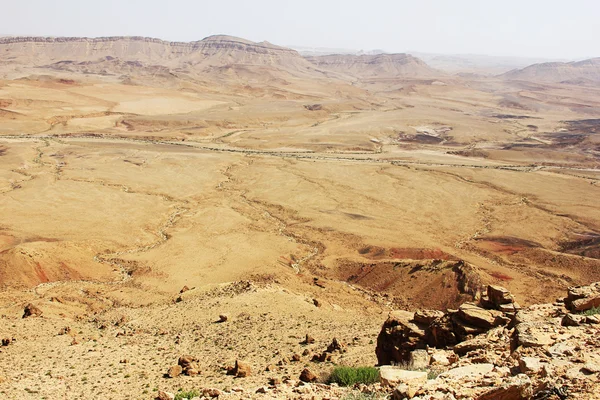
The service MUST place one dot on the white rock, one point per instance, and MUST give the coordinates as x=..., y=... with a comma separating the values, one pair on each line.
x=530, y=365
x=393, y=376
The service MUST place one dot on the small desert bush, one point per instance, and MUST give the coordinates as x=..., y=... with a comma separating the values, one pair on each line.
x=190, y=394
x=362, y=396
x=591, y=311
x=348, y=376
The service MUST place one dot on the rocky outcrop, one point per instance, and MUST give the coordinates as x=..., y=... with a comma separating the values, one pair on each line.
x=582, y=298
x=535, y=356
x=404, y=332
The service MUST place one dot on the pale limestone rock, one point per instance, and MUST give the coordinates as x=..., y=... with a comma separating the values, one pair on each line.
x=393, y=376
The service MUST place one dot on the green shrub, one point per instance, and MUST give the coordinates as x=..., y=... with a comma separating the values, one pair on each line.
x=348, y=376
x=362, y=396
x=591, y=311
x=187, y=395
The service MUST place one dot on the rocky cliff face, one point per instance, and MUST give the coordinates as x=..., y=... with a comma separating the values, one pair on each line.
x=44, y=50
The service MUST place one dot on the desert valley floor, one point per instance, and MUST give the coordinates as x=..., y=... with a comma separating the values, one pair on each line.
x=292, y=196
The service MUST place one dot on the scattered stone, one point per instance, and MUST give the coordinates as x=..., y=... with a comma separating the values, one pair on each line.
x=439, y=358
x=262, y=390
x=6, y=342
x=313, y=107
x=241, y=369
x=573, y=320
x=467, y=346
x=335, y=345
x=515, y=388
x=530, y=365
x=296, y=357
x=307, y=376
x=404, y=391
x=270, y=368
x=65, y=331
x=419, y=359
x=174, y=371
x=591, y=368
x=31, y=311
x=184, y=289
x=274, y=381
x=189, y=365
x=317, y=303
x=223, y=318
x=393, y=376
x=468, y=371
x=212, y=392
x=162, y=395
x=308, y=340
x=527, y=335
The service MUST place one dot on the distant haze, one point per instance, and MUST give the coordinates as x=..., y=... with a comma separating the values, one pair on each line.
x=540, y=29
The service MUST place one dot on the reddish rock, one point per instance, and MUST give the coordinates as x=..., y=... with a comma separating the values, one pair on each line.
x=31, y=311
x=242, y=370
x=307, y=376
x=174, y=371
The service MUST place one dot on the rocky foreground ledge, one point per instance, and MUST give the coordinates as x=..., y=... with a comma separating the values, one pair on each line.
x=494, y=350
x=489, y=350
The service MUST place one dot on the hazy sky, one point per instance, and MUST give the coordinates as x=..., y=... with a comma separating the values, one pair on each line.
x=534, y=28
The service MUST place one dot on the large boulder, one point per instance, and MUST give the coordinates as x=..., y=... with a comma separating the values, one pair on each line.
x=499, y=295
x=581, y=298
x=481, y=317
x=399, y=336
x=392, y=376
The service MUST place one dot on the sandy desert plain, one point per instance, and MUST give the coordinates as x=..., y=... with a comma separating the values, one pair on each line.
x=295, y=195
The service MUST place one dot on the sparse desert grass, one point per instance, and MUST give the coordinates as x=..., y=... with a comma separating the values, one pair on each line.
x=591, y=311
x=362, y=396
x=348, y=376
x=187, y=394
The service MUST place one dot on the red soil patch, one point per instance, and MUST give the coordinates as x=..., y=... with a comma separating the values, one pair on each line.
x=501, y=276
x=378, y=253
x=505, y=244
x=39, y=272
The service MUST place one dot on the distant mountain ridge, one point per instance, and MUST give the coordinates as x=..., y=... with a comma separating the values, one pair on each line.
x=131, y=48
x=377, y=65
x=578, y=72
x=218, y=55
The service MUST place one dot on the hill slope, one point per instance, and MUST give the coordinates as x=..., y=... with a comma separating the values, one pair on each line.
x=378, y=65
x=571, y=72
